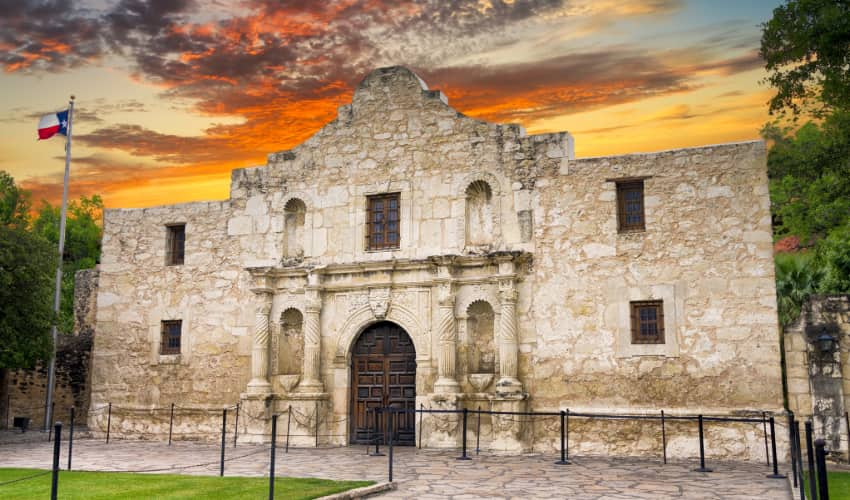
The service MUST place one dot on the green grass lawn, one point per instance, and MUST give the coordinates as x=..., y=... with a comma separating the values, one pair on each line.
x=101, y=485
x=838, y=482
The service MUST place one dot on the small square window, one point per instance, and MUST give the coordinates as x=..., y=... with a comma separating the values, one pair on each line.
x=647, y=320
x=630, y=215
x=175, y=243
x=382, y=221
x=170, y=337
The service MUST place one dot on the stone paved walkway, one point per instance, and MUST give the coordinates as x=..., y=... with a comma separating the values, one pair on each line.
x=427, y=474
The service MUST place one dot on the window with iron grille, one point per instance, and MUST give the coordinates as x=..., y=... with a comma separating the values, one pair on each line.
x=630, y=215
x=382, y=218
x=175, y=243
x=170, y=339
x=647, y=322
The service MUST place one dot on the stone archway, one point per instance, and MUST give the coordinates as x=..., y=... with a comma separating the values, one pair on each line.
x=383, y=374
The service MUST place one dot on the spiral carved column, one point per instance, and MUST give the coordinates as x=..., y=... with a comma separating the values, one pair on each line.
x=508, y=341
x=259, y=383
x=312, y=380
x=446, y=376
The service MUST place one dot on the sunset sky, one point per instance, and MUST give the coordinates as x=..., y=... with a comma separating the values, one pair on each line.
x=172, y=95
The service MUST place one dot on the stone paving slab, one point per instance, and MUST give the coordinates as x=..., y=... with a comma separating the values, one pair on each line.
x=426, y=474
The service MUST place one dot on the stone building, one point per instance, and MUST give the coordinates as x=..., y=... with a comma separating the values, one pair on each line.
x=408, y=255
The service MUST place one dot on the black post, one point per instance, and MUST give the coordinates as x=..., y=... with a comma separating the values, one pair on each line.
x=776, y=474
x=567, y=433
x=317, y=424
x=170, y=424
x=702, y=467
x=799, y=458
x=563, y=460
x=271, y=458
x=223, y=436
x=108, y=422
x=810, y=452
x=663, y=439
x=820, y=460
x=71, y=439
x=390, y=457
x=791, y=445
x=764, y=426
x=478, y=432
x=236, y=426
x=464, y=456
x=288, y=421
x=421, y=407
x=376, y=435
x=54, y=483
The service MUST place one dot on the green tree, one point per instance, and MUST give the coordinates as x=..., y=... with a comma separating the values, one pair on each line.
x=798, y=277
x=806, y=49
x=82, y=245
x=27, y=269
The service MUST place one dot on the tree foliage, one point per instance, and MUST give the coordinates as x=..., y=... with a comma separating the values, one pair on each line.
x=82, y=245
x=806, y=49
x=27, y=267
x=798, y=277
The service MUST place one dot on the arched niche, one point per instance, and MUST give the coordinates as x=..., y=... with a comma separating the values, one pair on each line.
x=480, y=214
x=294, y=214
x=480, y=331
x=291, y=343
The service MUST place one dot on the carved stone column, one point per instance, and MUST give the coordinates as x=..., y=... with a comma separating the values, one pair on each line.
x=259, y=383
x=447, y=330
x=508, y=383
x=312, y=379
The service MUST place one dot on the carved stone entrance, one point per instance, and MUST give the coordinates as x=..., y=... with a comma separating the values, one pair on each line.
x=383, y=374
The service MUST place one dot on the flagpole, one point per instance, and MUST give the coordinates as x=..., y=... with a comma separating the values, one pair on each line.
x=51, y=371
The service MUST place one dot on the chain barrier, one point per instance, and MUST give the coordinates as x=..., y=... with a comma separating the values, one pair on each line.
x=11, y=481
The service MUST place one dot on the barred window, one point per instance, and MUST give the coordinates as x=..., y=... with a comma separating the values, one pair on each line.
x=630, y=216
x=175, y=242
x=382, y=218
x=647, y=322
x=170, y=339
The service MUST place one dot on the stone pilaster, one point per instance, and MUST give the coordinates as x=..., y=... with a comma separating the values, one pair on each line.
x=508, y=383
x=447, y=331
x=259, y=383
x=312, y=379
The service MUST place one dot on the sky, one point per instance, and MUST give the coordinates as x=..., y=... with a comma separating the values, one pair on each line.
x=171, y=95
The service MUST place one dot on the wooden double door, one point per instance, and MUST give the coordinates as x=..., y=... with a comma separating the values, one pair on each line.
x=383, y=375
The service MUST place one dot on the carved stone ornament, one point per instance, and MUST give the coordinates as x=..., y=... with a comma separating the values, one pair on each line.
x=379, y=301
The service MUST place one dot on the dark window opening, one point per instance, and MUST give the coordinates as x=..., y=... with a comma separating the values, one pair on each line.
x=630, y=215
x=170, y=339
x=175, y=245
x=382, y=219
x=647, y=322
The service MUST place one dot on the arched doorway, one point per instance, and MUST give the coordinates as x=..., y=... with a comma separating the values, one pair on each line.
x=383, y=374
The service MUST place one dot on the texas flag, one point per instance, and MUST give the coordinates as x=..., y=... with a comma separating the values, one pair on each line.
x=51, y=124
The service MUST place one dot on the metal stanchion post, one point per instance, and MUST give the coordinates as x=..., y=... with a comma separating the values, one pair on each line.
x=776, y=474
x=810, y=456
x=799, y=458
x=563, y=460
x=421, y=407
x=288, y=421
x=236, y=426
x=702, y=467
x=764, y=426
x=54, y=483
x=464, y=456
x=223, y=435
x=271, y=458
x=820, y=461
x=793, y=451
x=567, y=435
x=317, y=424
x=170, y=424
x=663, y=438
x=108, y=422
x=478, y=432
x=71, y=439
x=377, y=435
x=390, y=457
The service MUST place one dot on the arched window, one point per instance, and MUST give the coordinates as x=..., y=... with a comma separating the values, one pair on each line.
x=479, y=214
x=291, y=345
x=480, y=331
x=293, y=223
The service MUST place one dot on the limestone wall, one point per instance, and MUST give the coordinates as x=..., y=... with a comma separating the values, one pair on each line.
x=491, y=220
x=819, y=381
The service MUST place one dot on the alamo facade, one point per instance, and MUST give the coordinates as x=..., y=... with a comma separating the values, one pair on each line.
x=409, y=256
